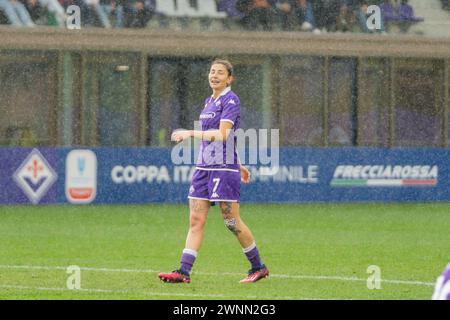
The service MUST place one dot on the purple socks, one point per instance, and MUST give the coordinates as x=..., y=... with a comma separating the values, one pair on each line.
x=252, y=254
x=189, y=255
x=187, y=260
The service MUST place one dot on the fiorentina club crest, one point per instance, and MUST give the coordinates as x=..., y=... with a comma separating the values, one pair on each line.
x=35, y=176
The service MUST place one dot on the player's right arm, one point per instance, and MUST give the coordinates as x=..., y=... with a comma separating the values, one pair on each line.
x=220, y=134
x=245, y=173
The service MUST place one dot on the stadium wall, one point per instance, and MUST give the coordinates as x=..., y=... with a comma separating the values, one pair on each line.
x=189, y=43
x=148, y=175
x=361, y=117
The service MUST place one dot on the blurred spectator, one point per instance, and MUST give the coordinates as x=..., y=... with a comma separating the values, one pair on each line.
x=114, y=8
x=259, y=14
x=445, y=4
x=234, y=16
x=347, y=15
x=363, y=16
x=401, y=15
x=406, y=12
x=285, y=12
x=92, y=13
x=229, y=6
x=389, y=12
x=55, y=13
x=94, y=6
x=139, y=13
x=37, y=13
x=45, y=12
x=295, y=14
x=406, y=16
x=3, y=18
x=326, y=14
x=16, y=13
x=304, y=15
x=87, y=16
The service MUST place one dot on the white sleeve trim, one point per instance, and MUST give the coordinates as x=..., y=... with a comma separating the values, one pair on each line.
x=228, y=120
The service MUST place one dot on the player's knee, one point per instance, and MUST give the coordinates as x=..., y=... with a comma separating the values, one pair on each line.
x=197, y=223
x=231, y=224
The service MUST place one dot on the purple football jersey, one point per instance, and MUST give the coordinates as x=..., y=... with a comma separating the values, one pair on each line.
x=220, y=154
x=442, y=290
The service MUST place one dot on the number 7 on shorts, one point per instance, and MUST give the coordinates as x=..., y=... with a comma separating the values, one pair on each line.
x=216, y=184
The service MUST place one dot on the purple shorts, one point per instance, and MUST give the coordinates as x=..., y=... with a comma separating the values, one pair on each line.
x=216, y=185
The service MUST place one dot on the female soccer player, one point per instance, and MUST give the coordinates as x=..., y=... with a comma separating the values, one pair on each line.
x=217, y=176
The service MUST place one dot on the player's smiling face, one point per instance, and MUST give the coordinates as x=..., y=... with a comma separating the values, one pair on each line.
x=219, y=77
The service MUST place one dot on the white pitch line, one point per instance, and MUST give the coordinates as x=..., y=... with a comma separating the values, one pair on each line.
x=286, y=276
x=81, y=268
x=112, y=291
x=338, y=278
x=407, y=282
x=151, y=294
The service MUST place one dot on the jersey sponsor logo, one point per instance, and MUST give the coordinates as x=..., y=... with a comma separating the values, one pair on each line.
x=385, y=176
x=81, y=176
x=35, y=176
x=231, y=101
x=207, y=115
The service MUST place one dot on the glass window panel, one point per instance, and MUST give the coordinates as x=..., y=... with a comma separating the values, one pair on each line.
x=418, y=110
x=117, y=117
x=178, y=88
x=373, y=106
x=342, y=94
x=196, y=89
x=249, y=86
x=165, y=104
x=301, y=101
x=111, y=87
x=27, y=99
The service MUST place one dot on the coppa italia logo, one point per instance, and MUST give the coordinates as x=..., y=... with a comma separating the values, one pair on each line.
x=81, y=176
x=35, y=176
x=384, y=176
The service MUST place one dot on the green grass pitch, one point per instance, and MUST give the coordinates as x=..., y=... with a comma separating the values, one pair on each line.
x=313, y=251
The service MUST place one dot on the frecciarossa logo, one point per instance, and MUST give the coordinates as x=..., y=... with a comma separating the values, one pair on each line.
x=384, y=176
